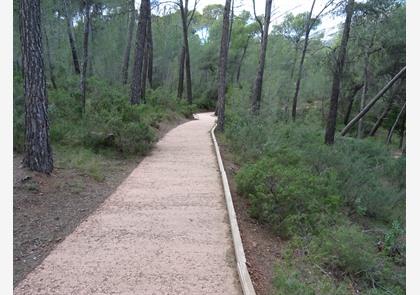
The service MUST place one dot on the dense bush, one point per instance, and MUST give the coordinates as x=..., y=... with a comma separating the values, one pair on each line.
x=110, y=121
x=343, y=206
x=291, y=199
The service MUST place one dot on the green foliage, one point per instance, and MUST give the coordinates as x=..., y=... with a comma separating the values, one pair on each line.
x=290, y=198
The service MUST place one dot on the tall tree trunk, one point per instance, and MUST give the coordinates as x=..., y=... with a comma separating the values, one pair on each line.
x=139, y=54
x=149, y=38
x=50, y=64
x=373, y=101
x=90, y=48
x=335, y=92
x=85, y=53
x=181, y=72
x=127, y=51
x=223, y=56
x=364, y=92
x=144, y=73
x=38, y=154
x=238, y=73
x=231, y=22
x=257, y=89
x=391, y=131
x=302, y=59
x=350, y=99
x=187, y=51
x=71, y=38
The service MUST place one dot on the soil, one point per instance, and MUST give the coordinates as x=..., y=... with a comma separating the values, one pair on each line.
x=262, y=247
x=48, y=208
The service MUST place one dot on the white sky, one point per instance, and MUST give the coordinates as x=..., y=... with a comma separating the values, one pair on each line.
x=279, y=9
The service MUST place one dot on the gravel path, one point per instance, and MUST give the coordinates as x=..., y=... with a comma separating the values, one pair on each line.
x=164, y=231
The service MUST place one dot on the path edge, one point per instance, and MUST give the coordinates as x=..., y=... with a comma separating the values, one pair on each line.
x=244, y=277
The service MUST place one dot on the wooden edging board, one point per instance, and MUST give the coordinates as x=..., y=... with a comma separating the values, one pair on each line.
x=245, y=279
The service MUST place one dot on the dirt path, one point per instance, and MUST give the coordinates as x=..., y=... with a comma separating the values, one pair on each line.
x=164, y=231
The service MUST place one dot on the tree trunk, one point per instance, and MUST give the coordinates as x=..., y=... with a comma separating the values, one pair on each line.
x=257, y=89
x=50, y=64
x=223, y=56
x=139, y=54
x=238, y=73
x=335, y=92
x=302, y=59
x=181, y=72
x=127, y=51
x=144, y=73
x=149, y=39
x=373, y=101
x=38, y=154
x=364, y=91
x=187, y=51
x=380, y=119
x=71, y=39
x=90, y=48
x=350, y=99
x=85, y=54
x=231, y=23
x=391, y=131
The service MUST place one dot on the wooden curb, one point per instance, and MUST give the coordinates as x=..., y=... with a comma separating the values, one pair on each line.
x=245, y=279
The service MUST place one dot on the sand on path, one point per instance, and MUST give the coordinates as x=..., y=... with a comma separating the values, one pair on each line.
x=165, y=230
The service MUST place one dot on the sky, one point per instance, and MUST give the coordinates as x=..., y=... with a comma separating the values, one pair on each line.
x=330, y=24
x=280, y=8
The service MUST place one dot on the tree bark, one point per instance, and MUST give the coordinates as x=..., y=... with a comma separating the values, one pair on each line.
x=350, y=99
x=86, y=4
x=302, y=59
x=38, y=154
x=238, y=73
x=149, y=38
x=364, y=91
x=50, y=64
x=127, y=51
x=187, y=50
x=71, y=39
x=257, y=89
x=231, y=22
x=181, y=72
x=373, y=101
x=139, y=54
x=223, y=56
x=335, y=92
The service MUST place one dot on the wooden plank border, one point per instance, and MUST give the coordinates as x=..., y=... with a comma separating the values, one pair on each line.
x=245, y=279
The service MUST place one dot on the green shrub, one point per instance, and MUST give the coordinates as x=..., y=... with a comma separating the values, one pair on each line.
x=346, y=250
x=291, y=199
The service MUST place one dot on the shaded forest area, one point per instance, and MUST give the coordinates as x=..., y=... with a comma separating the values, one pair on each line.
x=315, y=121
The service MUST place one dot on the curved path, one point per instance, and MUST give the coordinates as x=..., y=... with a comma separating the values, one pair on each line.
x=165, y=230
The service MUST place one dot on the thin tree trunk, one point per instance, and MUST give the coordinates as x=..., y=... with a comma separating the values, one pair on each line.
x=71, y=39
x=85, y=54
x=373, y=101
x=223, y=59
x=380, y=119
x=350, y=99
x=139, y=54
x=181, y=72
x=257, y=89
x=231, y=23
x=187, y=51
x=90, y=49
x=335, y=92
x=144, y=72
x=364, y=91
x=238, y=73
x=50, y=64
x=127, y=51
x=149, y=38
x=389, y=137
x=38, y=154
x=302, y=59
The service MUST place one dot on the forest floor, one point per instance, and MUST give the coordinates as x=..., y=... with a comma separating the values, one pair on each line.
x=164, y=230
x=48, y=208
x=262, y=247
